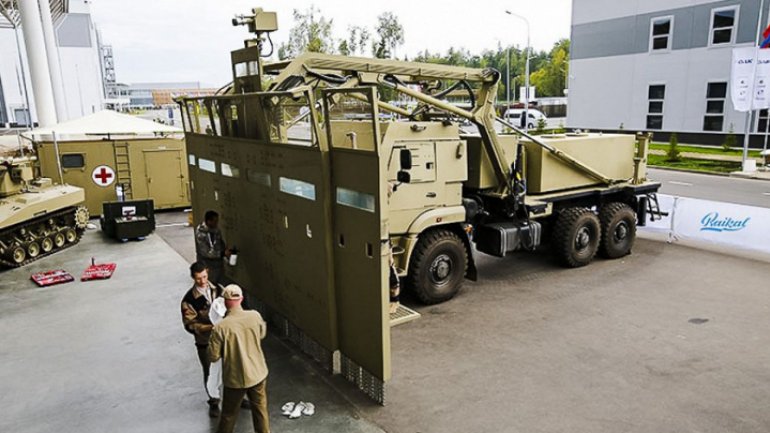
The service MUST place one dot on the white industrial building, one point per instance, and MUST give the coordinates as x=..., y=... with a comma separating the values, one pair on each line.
x=660, y=65
x=74, y=82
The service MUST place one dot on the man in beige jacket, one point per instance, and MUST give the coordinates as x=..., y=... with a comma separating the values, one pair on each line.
x=237, y=340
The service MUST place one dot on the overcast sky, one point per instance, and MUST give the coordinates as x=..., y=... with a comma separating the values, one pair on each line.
x=190, y=40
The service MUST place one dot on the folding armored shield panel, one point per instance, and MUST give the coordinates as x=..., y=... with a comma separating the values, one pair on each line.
x=307, y=221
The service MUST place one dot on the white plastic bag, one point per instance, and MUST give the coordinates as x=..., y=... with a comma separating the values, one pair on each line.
x=214, y=383
x=217, y=310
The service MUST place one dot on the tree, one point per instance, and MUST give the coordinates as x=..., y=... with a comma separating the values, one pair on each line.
x=551, y=79
x=311, y=32
x=357, y=41
x=672, y=155
x=390, y=35
x=730, y=140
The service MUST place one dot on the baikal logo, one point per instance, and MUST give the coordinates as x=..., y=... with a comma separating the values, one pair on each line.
x=712, y=222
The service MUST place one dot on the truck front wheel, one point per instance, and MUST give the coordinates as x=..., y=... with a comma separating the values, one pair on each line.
x=618, y=230
x=576, y=236
x=437, y=266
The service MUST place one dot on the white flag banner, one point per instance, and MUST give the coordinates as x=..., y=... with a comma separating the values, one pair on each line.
x=749, y=77
x=761, y=100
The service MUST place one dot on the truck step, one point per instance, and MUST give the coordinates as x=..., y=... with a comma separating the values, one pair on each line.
x=403, y=315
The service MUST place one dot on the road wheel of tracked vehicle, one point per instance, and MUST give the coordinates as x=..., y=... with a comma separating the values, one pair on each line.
x=576, y=236
x=58, y=240
x=437, y=266
x=33, y=249
x=618, y=222
x=71, y=235
x=18, y=255
x=46, y=245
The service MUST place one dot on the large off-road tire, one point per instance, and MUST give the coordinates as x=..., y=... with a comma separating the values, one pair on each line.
x=437, y=267
x=618, y=222
x=576, y=236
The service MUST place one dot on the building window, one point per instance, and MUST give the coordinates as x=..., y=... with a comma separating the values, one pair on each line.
x=762, y=124
x=661, y=30
x=723, y=22
x=716, y=93
x=655, y=96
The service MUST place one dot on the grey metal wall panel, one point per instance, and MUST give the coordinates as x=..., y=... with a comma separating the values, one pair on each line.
x=605, y=92
x=603, y=39
x=631, y=35
x=75, y=31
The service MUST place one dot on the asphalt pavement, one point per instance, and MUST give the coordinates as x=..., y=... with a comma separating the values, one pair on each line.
x=668, y=339
x=750, y=192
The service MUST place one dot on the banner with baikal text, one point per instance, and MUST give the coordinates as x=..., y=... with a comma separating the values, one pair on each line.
x=750, y=73
x=726, y=227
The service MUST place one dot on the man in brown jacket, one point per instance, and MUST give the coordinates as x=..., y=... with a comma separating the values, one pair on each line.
x=195, y=318
x=237, y=340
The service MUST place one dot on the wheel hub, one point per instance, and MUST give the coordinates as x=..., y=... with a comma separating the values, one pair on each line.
x=441, y=269
x=583, y=238
x=621, y=231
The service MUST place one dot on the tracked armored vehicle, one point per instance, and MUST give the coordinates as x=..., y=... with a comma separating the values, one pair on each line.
x=37, y=218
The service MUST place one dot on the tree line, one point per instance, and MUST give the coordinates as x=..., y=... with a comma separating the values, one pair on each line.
x=315, y=33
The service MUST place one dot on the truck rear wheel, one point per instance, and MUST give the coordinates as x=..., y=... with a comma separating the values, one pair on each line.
x=437, y=267
x=618, y=230
x=576, y=236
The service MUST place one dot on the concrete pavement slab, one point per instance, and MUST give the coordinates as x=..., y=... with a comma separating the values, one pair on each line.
x=111, y=356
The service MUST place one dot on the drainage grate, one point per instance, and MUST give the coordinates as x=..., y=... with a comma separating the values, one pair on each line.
x=403, y=315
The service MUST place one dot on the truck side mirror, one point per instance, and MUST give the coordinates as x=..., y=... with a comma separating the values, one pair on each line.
x=406, y=159
x=403, y=177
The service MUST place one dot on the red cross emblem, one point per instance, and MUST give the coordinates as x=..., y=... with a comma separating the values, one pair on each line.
x=103, y=175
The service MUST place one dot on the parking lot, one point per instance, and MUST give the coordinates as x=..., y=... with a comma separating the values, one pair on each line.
x=669, y=339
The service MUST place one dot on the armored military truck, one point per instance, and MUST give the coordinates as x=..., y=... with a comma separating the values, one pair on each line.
x=37, y=218
x=333, y=194
x=450, y=189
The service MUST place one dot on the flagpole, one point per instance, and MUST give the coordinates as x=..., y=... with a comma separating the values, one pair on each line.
x=767, y=110
x=767, y=129
x=747, y=130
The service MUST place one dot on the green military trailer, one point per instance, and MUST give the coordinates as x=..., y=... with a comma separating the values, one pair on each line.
x=324, y=186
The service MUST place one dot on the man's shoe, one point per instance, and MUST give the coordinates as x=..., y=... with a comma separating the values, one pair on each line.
x=214, y=410
x=245, y=404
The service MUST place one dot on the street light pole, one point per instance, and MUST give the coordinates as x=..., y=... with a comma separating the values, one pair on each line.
x=526, y=71
x=507, y=79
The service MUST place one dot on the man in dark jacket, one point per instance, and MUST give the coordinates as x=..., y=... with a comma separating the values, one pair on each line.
x=210, y=247
x=195, y=318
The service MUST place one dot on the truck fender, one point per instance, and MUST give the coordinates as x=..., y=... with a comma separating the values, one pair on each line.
x=451, y=218
x=437, y=217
